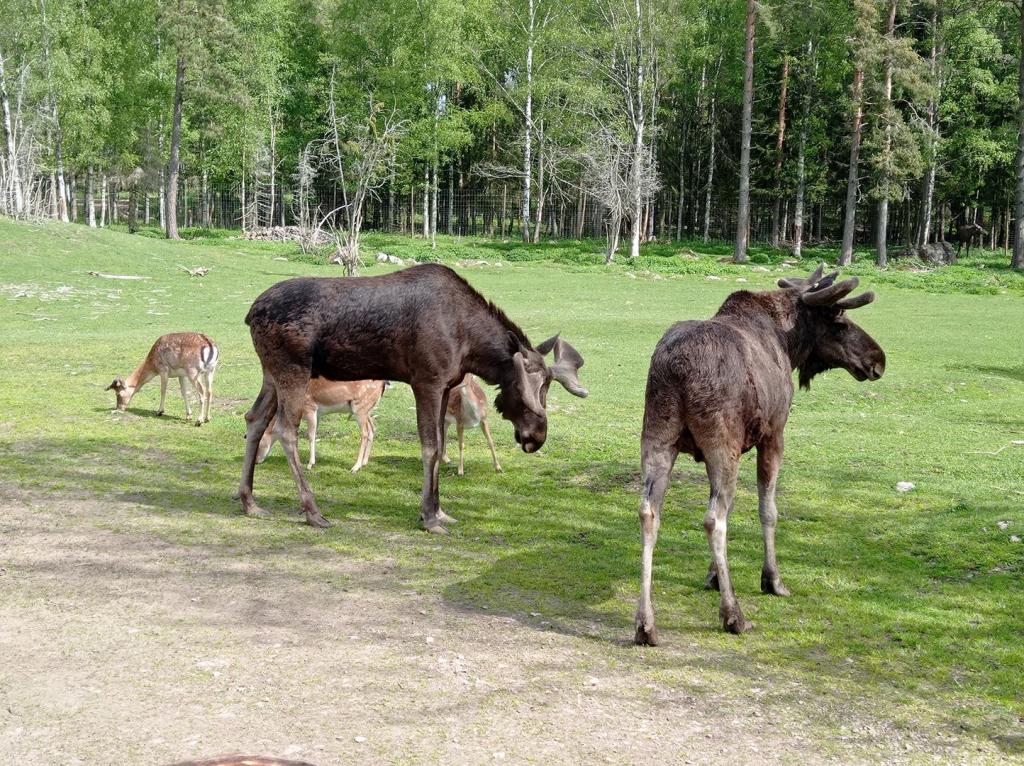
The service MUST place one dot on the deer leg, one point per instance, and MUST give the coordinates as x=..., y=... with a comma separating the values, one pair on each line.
x=722, y=467
x=769, y=458
x=461, y=433
x=364, y=436
x=657, y=465
x=313, y=421
x=209, y=396
x=291, y=396
x=200, y=390
x=256, y=419
x=163, y=393
x=444, y=452
x=490, y=443
x=371, y=434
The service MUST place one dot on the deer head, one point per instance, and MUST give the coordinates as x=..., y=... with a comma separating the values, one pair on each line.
x=523, y=398
x=828, y=337
x=122, y=391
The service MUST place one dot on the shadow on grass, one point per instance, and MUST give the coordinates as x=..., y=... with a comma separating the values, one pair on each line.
x=558, y=550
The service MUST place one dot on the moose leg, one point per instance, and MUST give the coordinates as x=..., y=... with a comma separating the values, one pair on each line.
x=769, y=458
x=256, y=419
x=722, y=467
x=490, y=443
x=291, y=396
x=163, y=393
x=657, y=468
x=431, y=404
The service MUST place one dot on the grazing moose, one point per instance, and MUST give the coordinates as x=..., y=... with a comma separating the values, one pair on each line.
x=720, y=387
x=965, y=236
x=424, y=326
x=467, y=408
x=190, y=355
x=323, y=397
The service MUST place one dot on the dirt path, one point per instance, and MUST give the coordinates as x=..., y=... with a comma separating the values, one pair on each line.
x=119, y=647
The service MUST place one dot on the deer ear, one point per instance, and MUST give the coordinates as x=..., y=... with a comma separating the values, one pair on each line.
x=117, y=385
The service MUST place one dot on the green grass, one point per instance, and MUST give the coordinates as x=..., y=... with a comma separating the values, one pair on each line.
x=911, y=600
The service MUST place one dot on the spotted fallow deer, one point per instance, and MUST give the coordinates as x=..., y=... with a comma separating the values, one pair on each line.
x=323, y=397
x=183, y=355
x=425, y=326
x=720, y=387
x=467, y=408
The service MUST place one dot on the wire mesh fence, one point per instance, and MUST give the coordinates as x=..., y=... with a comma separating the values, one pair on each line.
x=494, y=210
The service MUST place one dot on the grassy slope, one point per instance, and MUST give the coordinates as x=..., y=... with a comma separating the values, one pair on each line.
x=911, y=600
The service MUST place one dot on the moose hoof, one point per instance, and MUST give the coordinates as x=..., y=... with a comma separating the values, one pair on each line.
x=773, y=586
x=646, y=633
x=733, y=621
x=256, y=512
x=159, y=413
x=444, y=518
x=497, y=469
x=711, y=581
x=317, y=520
x=435, y=529
x=199, y=423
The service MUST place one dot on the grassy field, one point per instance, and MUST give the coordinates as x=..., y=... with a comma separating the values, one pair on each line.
x=907, y=603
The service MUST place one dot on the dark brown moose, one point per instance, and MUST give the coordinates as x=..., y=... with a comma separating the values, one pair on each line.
x=720, y=387
x=424, y=326
x=965, y=236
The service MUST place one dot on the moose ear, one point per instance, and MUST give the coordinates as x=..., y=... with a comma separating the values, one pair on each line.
x=514, y=344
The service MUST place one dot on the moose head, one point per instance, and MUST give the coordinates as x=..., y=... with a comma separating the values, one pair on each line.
x=523, y=398
x=828, y=337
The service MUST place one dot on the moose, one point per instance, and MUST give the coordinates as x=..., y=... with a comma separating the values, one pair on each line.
x=183, y=355
x=965, y=235
x=425, y=326
x=720, y=387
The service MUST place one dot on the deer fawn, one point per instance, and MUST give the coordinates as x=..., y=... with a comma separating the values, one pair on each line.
x=358, y=397
x=190, y=355
x=467, y=408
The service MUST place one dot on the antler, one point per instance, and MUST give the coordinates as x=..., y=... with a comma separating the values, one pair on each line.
x=818, y=290
x=567, y=362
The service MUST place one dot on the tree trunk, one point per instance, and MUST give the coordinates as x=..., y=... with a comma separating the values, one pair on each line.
x=1017, y=262
x=171, y=197
x=90, y=203
x=743, y=207
x=613, y=239
x=882, y=224
x=849, y=220
x=451, y=199
x=273, y=169
x=780, y=137
x=711, y=150
x=528, y=130
x=433, y=210
x=133, y=206
x=539, y=217
x=426, y=200
x=680, y=202
x=12, y=159
x=103, y=201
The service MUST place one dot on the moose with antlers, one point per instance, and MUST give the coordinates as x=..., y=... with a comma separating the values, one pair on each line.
x=425, y=326
x=720, y=387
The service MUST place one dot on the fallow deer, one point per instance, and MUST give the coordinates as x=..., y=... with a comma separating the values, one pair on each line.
x=467, y=408
x=184, y=355
x=425, y=326
x=323, y=397
x=720, y=387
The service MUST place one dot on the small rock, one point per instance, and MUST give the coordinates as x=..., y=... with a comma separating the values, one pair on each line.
x=360, y=739
x=904, y=486
x=430, y=639
x=499, y=755
x=1014, y=539
x=1002, y=524
x=760, y=268
x=740, y=279
x=713, y=278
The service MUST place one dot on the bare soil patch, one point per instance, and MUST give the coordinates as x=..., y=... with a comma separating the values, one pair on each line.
x=123, y=646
